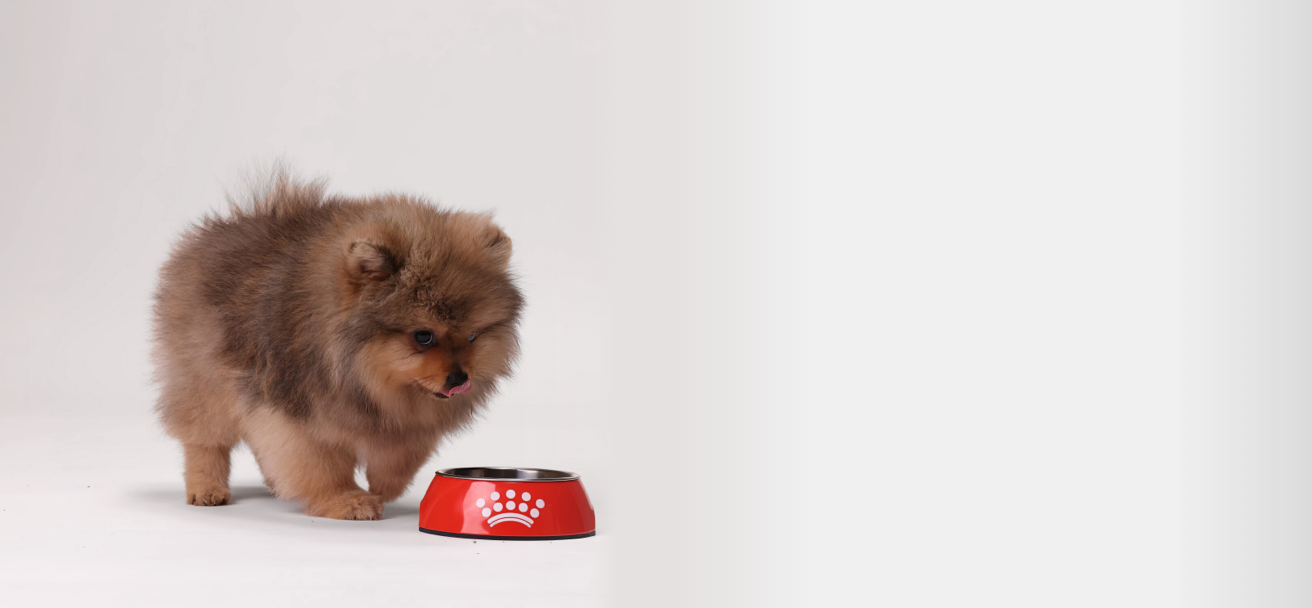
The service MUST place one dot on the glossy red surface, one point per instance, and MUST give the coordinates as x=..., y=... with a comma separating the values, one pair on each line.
x=506, y=508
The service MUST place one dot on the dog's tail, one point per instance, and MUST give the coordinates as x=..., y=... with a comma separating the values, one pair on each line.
x=273, y=190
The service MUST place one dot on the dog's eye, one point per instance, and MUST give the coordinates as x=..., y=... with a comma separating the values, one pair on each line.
x=424, y=337
x=472, y=336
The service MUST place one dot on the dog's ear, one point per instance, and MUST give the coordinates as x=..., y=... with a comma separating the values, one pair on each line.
x=498, y=245
x=370, y=261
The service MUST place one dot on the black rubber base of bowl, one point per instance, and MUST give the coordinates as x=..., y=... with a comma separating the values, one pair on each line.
x=484, y=536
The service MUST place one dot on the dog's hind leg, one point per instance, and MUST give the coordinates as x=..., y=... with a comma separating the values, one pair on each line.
x=208, y=435
x=198, y=397
x=198, y=413
x=207, y=468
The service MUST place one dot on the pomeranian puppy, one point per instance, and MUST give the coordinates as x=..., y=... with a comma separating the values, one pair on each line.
x=330, y=333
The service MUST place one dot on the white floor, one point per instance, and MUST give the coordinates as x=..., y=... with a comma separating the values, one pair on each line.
x=92, y=510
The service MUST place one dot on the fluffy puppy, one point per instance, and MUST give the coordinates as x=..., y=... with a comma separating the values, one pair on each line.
x=330, y=333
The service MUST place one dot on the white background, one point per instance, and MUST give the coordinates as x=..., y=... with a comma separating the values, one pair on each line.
x=830, y=304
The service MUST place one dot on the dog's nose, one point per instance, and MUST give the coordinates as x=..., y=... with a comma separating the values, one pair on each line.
x=456, y=378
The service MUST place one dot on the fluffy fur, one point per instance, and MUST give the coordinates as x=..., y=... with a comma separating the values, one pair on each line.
x=290, y=324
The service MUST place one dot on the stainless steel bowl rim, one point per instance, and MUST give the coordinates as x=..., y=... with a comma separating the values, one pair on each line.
x=554, y=475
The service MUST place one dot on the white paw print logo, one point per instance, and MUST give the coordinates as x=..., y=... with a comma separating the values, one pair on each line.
x=522, y=511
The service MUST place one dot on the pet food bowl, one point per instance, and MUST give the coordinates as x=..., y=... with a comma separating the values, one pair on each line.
x=506, y=504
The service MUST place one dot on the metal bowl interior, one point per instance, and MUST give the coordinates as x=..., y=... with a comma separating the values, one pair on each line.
x=507, y=474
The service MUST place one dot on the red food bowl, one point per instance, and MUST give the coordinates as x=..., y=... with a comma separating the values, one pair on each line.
x=507, y=504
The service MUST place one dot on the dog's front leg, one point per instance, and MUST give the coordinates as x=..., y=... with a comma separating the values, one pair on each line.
x=302, y=468
x=391, y=468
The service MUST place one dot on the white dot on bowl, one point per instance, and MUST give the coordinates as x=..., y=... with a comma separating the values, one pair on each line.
x=541, y=504
x=495, y=496
x=481, y=502
x=523, y=506
x=534, y=512
x=486, y=511
x=510, y=493
x=525, y=496
x=497, y=506
x=510, y=505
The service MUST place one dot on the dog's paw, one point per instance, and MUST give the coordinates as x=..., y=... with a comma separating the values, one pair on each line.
x=208, y=497
x=358, y=506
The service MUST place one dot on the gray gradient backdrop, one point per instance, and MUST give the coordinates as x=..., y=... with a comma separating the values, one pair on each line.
x=907, y=304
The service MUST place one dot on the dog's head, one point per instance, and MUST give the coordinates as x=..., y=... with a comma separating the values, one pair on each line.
x=433, y=306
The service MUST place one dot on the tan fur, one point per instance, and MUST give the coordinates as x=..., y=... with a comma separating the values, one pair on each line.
x=289, y=325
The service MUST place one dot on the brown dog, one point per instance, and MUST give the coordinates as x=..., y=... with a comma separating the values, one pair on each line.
x=330, y=333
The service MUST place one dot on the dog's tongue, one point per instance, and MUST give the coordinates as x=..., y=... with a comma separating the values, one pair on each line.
x=463, y=388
